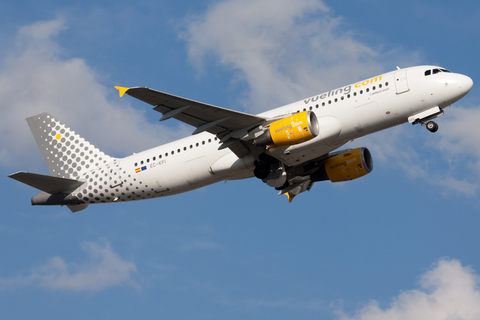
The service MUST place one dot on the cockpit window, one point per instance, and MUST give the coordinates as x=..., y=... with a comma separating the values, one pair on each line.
x=435, y=71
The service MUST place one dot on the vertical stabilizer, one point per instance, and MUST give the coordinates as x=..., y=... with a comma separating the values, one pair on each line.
x=66, y=154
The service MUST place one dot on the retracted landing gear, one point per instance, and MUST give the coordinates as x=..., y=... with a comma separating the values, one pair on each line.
x=432, y=126
x=263, y=166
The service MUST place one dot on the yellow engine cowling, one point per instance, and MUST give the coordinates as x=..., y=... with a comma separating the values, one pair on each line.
x=294, y=129
x=349, y=165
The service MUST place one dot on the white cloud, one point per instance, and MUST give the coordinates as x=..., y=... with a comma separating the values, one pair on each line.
x=448, y=159
x=285, y=50
x=103, y=269
x=448, y=291
x=37, y=77
x=460, y=135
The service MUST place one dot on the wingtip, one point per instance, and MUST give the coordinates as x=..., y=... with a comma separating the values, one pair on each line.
x=121, y=90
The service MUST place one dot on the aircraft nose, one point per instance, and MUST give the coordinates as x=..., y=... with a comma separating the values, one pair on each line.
x=466, y=84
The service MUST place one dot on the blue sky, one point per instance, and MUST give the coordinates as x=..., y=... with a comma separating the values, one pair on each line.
x=400, y=243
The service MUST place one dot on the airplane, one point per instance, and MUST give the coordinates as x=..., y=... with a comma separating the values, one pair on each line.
x=288, y=148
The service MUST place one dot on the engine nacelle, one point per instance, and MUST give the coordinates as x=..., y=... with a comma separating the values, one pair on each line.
x=294, y=129
x=349, y=165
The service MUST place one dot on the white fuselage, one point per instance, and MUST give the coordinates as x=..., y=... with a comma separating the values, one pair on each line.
x=344, y=114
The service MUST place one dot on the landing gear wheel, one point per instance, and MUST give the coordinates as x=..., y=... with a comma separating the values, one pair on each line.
x=432, y=126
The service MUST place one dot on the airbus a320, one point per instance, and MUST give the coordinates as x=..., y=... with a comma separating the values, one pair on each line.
x=288, y=148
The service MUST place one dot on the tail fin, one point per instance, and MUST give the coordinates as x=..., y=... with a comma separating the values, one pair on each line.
x=66, y=153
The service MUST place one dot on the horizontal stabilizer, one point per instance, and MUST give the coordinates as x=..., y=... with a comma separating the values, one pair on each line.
x=45, y=183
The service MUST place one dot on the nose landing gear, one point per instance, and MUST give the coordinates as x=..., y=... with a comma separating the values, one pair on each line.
x=424, y=118
x=432, y=126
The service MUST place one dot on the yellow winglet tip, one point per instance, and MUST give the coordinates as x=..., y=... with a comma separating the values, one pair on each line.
x=290, y=196
x=121, y=90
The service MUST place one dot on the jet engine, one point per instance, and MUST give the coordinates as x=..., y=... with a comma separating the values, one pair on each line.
x=348, y=165
x=290, y=130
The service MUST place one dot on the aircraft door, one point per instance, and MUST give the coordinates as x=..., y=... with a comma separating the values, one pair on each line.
x=401, y=83
x=161, y=186
x=114, y=174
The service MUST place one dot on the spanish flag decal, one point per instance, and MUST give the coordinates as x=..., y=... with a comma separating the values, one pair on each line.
x=138, y=170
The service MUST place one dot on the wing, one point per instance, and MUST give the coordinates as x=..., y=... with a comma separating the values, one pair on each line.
x=228, y=125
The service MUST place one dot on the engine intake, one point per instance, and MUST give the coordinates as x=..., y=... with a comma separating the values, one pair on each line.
x=349, y=165
x=294, y=129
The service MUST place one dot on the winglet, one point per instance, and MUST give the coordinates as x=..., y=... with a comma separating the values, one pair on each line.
x=290, y=196
x=122, y=90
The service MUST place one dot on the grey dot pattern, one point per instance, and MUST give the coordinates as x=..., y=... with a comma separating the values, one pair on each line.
x=111, y=183
x=66, y=153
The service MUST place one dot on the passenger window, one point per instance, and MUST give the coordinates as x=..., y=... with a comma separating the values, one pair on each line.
x=148, y=160
x=428, y=72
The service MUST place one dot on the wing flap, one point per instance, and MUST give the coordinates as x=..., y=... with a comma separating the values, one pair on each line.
x=45, y=183
x=295, y=189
